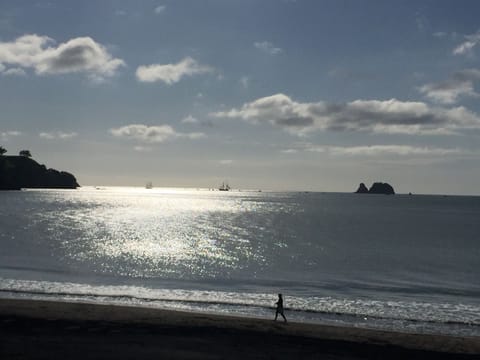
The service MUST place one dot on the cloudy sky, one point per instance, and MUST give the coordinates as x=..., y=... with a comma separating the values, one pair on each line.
x=271, y=94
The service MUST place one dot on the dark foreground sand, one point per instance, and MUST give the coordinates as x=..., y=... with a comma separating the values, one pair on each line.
x=55, y=330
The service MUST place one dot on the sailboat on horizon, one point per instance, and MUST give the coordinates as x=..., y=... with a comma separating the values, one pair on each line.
x=224, y=187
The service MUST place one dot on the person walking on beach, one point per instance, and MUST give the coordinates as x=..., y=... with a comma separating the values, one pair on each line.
x=279, y=309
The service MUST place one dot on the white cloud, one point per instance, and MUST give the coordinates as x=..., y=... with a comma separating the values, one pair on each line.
x=465, y=48
x=267, y=47
x=449, y=91
x=14, y=72
x=190, y=120
x=226, y=162
x=171, y=73
x=57, y=135
x=440, y=34
x=159, y=9
x=6, y=135
x=289, y=151
x=140, y=148
x=78, y=55
x=120, y=12
x=151, y=134
x=375, y=116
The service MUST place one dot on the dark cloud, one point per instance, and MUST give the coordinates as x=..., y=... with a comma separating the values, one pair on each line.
x=295, y=121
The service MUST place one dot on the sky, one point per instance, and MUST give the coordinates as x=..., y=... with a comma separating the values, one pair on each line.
x=313, y=95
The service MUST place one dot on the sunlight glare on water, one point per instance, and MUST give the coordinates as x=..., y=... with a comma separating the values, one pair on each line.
x=140, y=232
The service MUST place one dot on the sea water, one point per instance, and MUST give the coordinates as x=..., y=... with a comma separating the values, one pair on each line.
x=407, y=263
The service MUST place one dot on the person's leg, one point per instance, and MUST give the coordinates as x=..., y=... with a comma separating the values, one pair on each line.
x=276, y=315
x=284, y=318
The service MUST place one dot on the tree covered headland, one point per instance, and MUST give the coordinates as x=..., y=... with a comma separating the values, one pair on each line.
x=17, y=172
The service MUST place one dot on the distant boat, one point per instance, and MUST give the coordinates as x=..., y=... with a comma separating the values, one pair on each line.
x=149, y=185
x=224, y=187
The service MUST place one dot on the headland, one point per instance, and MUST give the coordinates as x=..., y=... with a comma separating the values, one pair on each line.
x=17, y=172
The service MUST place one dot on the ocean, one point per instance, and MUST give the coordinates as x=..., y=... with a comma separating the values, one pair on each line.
x=404, y=263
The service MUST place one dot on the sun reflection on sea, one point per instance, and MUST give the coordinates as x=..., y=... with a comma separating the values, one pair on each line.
x=157, y=232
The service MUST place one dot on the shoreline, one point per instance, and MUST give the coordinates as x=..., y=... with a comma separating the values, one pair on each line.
x=54, y=329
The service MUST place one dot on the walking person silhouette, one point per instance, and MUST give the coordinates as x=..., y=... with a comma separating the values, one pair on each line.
x=279, y=309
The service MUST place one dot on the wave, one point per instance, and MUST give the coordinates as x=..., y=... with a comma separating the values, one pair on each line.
x=254, y=304
x=387, y=286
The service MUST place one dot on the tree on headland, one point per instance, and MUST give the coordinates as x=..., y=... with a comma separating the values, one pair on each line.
x=2, y=150
x=25, y=153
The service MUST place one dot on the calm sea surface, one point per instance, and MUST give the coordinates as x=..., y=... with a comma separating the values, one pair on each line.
x=409, y=263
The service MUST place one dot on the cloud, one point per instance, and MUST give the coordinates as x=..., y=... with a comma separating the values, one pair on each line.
x=268, y=48
x=6, y=135
x=421, y=21
x=14, y=72
x=245, y=81
x=171, y=73
x=190, y=120
x=374, y=116
x=383, y=150
x=440, y=34
x=140, y=148
x=159, y=9
x=465, y=48
x=388, y=151
x=194, y=121
x=78, y=55
x=449, y=91
x=225, y=162
x=289, y=151
x=57, y=135
x=151, y=134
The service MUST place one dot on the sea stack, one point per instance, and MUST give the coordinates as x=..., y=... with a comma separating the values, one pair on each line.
x=376, y=188
x=362, y=189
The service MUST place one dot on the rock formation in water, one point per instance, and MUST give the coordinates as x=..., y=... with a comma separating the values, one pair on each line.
x=376, y=188
x=362, y=189
x=17, y=172
x=381, y=188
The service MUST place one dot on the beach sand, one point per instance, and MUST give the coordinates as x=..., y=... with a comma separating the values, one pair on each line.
x=53, y=330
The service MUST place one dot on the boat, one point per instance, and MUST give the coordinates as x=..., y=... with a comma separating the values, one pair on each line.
x=149, y=185
x=224, y=187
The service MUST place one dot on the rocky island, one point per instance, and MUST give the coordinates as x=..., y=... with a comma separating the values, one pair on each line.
x=17, y=172
x=376, y=188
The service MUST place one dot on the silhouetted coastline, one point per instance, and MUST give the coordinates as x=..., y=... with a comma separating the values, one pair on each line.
x=17, y=172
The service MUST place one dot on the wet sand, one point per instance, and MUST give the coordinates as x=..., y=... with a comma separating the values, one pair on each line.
x=53, y=330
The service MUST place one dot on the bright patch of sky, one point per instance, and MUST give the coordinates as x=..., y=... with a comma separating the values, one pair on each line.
x=272, y=94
